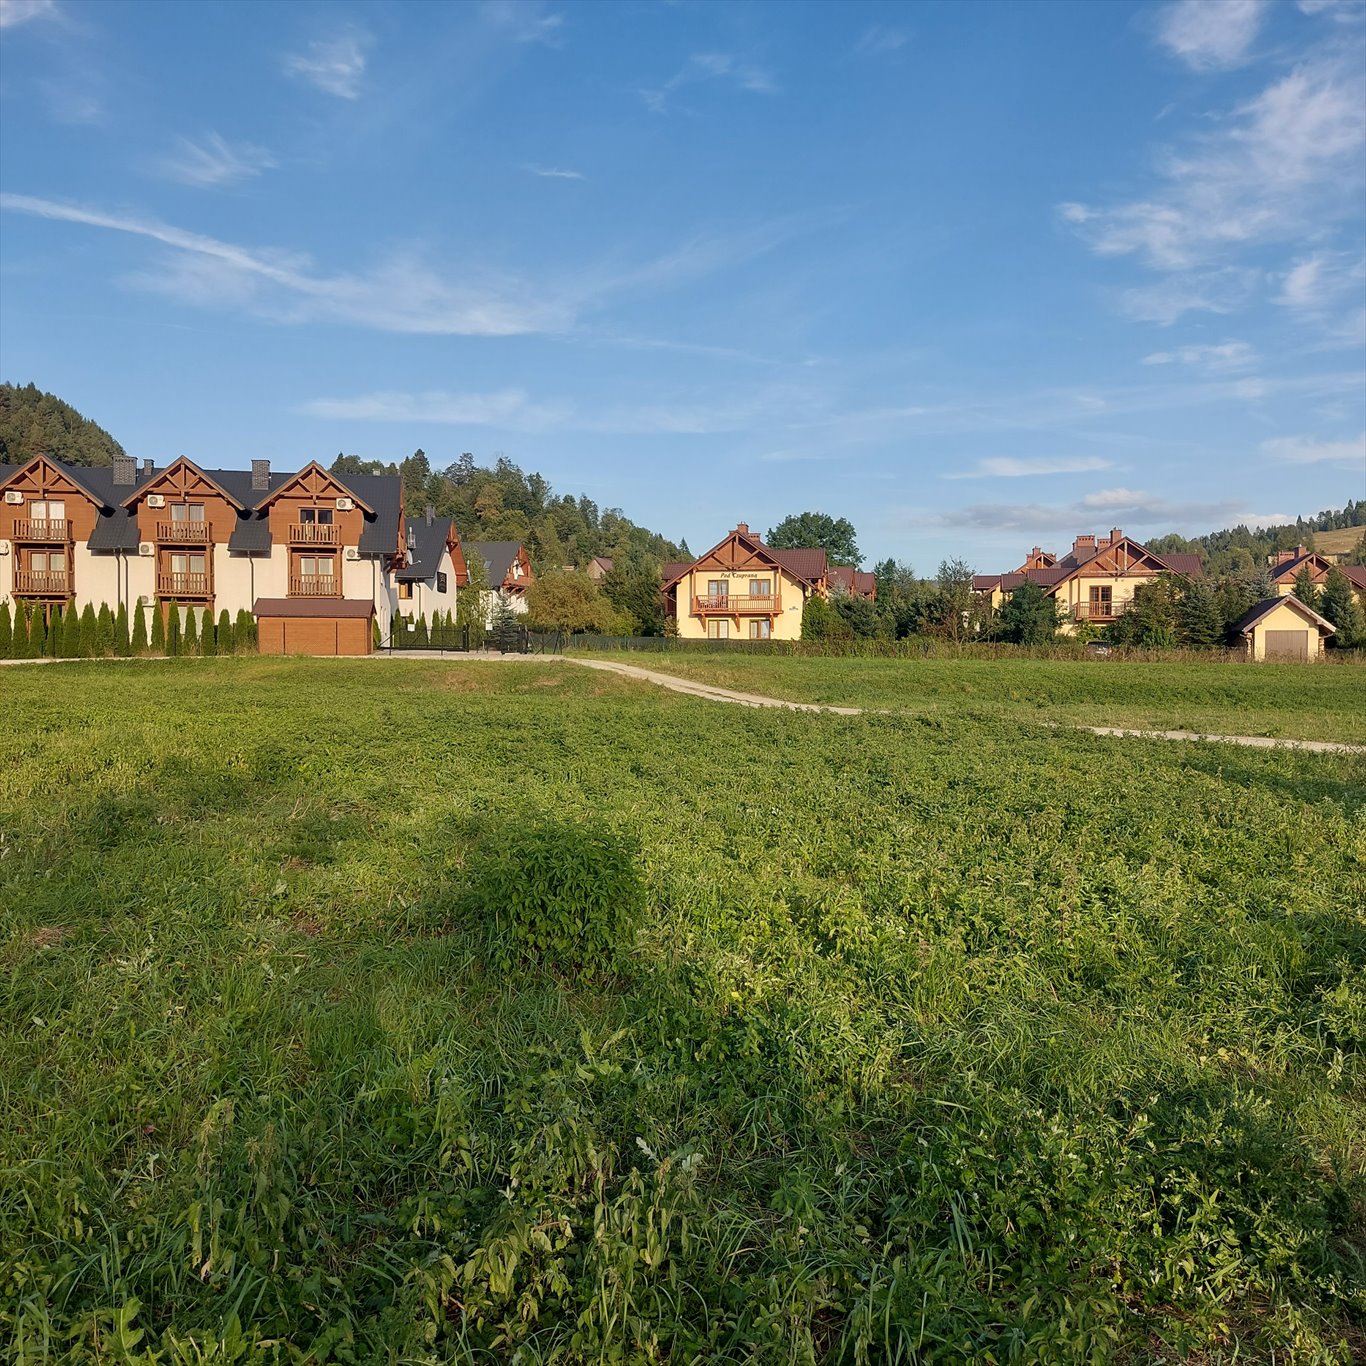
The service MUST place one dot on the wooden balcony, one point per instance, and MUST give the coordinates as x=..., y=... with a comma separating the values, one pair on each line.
x=314, y=533
x=46, y=530
x=183, y=533
x=314, y=586
x=1097, y=611
x=737, y=605
x=32, y=584
x=184, y=587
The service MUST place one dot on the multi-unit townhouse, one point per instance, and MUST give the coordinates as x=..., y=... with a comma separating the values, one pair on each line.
x=742, y=589
x=319, y=559
x=1095, y=581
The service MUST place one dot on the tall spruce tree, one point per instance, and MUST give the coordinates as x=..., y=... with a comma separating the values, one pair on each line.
x=173, y=628
x=1305, y=588
x=18, y=648
x=1339, y=604
x=6, y=630
x=189, y=637
x=1199, y=622
x=225, y=642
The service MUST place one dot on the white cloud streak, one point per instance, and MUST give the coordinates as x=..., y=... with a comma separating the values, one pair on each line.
x=1137, y=508
x=523, y=21
x=1017, y=467
x=1223, y=357
x=16, y=12
x=213, y=162
x=711, y=66
x=879, y=40
x=334, y=65
x=1211, y=35
x=1308, y=450
x=556, y=173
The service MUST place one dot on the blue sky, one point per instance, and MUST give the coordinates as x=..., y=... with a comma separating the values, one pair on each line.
x=973, y=275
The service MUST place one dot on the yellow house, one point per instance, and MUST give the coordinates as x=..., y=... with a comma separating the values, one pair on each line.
x=1095, y=581
x=742, y=589
x=1283, y=628
x=1288, y=565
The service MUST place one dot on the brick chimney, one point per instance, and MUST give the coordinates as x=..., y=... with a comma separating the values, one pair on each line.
x=147, y=468
x=125, y=471
x=429, y=514
x=1084, y=545
x=1116, y=535
x=260, y=476
x=742, y=528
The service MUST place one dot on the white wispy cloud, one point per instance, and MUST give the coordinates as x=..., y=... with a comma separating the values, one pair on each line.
x=1021, y=467
x=1308, y=450
x=1321, y=281
x=334, y=65
x=1280, y=167
x=1345, y=11
x=880, y=39
x=213, y=162
x=401, y=294
x=1211, y=34
x=1211, y=291
x=1224, y=356
x=711, y=66
x=502, y=408
x=16, y=12
x=1137, y=508
x=524, y=21
x=556, y=173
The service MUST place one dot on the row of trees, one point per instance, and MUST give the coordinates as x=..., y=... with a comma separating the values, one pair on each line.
x=37, y=633
x=1240, y=551
x=36, y=423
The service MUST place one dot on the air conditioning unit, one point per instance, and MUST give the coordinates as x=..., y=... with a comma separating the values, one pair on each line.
x=351, y=553
x=147, y=548
x=345, y=504
x=156, y=500
x=4, y=547
x=147, y=600
x=14, y=497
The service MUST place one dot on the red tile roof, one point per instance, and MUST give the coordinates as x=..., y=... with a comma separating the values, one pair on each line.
x=810, y=565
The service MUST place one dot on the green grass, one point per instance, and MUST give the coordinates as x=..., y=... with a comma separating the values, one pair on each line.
x=944, y=1039
x=1289, y=701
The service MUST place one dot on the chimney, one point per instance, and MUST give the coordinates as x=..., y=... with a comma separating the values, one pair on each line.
x=742, y=528
x=429, y=514
x=1036, y=552
x=1116, y=535
x=125, y=470
x=260, y=476
x=1083, y=545
x=147, y=468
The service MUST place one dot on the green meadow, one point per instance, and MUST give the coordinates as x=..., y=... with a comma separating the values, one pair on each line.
x=943, y=1036
x=1288, y=701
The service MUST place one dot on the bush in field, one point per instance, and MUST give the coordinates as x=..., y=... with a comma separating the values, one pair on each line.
x=820, y=621
x=566, y=895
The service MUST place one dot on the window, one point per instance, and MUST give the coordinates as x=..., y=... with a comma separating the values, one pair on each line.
x=440, y=582
x=189, y=564
x=760, y=630
x=718, y=588
x=47, y=510
x=1100, y=601
x=718, y=630
x=47, y=562
x=316, y=566
x=315, y=516
x=761, y=588
x=405, y=589
x=187, y=512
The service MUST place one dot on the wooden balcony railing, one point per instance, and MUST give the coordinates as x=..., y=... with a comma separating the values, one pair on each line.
x=183, y=533
x=42, y=585
x=737, y=605
x=184, y=587
x=314, y=533
x=45, y=529
x=1097, y=611
x=314, y=586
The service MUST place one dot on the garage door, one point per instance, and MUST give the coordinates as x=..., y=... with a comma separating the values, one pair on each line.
x=1287, y=644
x=310, y=636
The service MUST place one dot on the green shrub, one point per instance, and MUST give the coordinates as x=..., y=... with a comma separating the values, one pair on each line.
x=226, y=642
x=158, y=645
x=18, y=648
x=68, y=644
x=189, y=637
x=37, y=632
x=565, y=895
x=122, y=644
x=104, y=632
x=6, y=631
x=137, y=643
x=244, y=631
x=86, y=629
x=173, y=628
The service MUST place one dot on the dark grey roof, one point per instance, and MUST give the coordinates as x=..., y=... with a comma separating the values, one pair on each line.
x=426, y=543
x=384, y=494
x=251, y=536
x=497, y=556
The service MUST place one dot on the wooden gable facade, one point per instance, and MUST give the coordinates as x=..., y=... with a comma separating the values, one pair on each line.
x=294, y=510
x=162, y=504
x=44, y=514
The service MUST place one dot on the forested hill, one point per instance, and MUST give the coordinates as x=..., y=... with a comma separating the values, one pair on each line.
x=500, y=502
x=1227, y=551
x=34, y=423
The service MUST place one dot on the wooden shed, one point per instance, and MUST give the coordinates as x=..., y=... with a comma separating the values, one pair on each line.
x=314, y=626
x=1284, y=629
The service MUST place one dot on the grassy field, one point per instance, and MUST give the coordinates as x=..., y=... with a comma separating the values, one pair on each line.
x=1340, y=542
x=1290, y=701
x=944, y=1039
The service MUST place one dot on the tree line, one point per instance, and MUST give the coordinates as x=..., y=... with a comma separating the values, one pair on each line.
x=38, y=632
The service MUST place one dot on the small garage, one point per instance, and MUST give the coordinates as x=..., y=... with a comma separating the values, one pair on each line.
x=1284, y=631
x=313, y=626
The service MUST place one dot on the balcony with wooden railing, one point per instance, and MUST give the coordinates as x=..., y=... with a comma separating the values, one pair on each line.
x=47, y=530
x=184, y=587
x=183, y=533
x=30, y=583
x=314, y=533
x=314, y=586
x=1102, y=609
x=737, y=605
